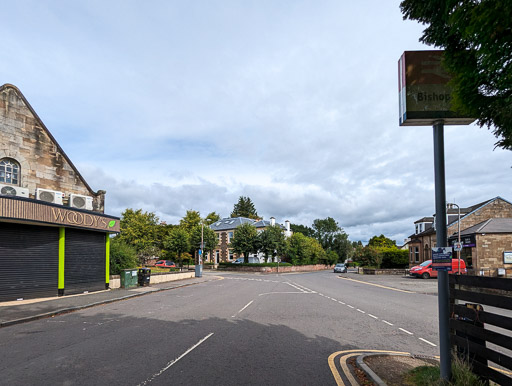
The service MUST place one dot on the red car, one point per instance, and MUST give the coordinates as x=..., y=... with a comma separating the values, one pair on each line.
x=165, y=264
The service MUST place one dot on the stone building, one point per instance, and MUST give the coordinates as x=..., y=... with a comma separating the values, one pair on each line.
x=486, y=236
x=225, y=230
x=53, y=230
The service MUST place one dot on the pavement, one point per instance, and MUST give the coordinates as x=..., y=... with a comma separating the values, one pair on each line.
x=16, y=312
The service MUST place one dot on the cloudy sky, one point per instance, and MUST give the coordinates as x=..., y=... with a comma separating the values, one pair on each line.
x=176, y=105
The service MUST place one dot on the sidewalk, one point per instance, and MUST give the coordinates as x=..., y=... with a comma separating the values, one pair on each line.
x=32, y=309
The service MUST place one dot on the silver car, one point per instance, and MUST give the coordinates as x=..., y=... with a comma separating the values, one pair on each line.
x=341, y=268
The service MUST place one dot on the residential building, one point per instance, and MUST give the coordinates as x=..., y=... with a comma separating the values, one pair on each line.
x=486, y=236
x=225, y=230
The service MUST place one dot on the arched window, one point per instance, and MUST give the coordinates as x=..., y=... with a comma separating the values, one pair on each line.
x=9, y=171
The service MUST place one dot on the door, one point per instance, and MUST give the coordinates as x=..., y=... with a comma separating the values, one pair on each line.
x=29, y=257
x=84, y=261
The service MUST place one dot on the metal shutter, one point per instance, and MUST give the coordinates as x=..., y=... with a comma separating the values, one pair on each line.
x=84, y=262
x=29, y=259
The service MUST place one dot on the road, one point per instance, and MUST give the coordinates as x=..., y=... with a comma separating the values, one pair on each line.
x=246, y=329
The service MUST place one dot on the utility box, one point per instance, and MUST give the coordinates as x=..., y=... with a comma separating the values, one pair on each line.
x=144, y=277
x=129, y=278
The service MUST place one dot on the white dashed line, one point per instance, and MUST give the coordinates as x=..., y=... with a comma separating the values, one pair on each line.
x=341, y=302
x=391, y=324
x=407, y=332
x=372, y=316
x=361, y=311
x=426, y=341
x=348, y=305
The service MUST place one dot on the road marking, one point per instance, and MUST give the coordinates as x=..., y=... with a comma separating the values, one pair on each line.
x=361, y=311
x=372, y=316
x=341, y=302
x=407, y=332
x=247, y=305
x=336, y=374
x=175, y=360
x=391, y=324
x=426, y=341
x=377, y=285
x=348, y=305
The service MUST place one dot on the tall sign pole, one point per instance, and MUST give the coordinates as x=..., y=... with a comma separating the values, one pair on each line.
x=424, y=97
x=441, y=241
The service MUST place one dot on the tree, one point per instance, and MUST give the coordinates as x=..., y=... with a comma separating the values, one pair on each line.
x=302, y=250
x=272, y=242
x=244, y=208
x=209, y=238
x=122, y=256
x=139, y=229
x=381, y=242
x=178, y=241
x=305, y=230
x=190, y=220
x=477, y=39
x=325, y=230
x=244, y=240
x=211, y=218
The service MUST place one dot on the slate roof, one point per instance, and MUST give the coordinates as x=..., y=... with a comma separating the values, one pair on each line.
x=493, y=225
x=232, y=223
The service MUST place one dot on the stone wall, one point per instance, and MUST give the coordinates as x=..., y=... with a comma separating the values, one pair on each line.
x=43, y=164
x=115, y=280
x=282, y=269
x=489, y=253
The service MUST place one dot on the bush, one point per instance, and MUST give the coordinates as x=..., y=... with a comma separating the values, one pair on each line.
x=122, y=256
x=394, y=258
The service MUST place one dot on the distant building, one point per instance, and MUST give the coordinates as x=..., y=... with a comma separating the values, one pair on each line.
x=486, y=235
x=225, y=230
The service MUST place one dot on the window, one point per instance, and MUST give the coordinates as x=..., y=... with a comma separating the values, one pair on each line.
x=416, y=254
x=411, y=259
x=417, y=229
x=9, y=171
x=230, y=236
x=230, y=254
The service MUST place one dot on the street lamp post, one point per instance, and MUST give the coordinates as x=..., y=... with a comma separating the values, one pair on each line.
x=450, y=206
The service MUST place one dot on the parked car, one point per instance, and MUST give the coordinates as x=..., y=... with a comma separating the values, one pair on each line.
x=165, y=264
x=425, y=271
x=240, y=260
x=341, y=268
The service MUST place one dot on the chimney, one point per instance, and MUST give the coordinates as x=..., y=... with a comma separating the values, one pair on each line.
x=272, y=221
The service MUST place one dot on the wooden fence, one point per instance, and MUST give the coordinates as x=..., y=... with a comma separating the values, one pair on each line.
x=469, y=322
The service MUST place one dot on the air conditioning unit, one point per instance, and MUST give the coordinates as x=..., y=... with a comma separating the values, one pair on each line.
x=49, y=196
x=9, y=190
x=80, y=202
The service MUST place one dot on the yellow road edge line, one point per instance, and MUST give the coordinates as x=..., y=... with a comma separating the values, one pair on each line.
x=377, y=285
x=346, y=370
x=335, y=372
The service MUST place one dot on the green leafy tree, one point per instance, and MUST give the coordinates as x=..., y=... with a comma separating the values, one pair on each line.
x=209, y=238
x=302, y=250
x=244, y=208
x=211, y=218
x=477, y=39
x=178, y=241
x=190, y=220
x=272, y=242
x=122, y=256
x=394, y=258
x=139, y=229
x=381, y=242
x=245, y=240
x=325, y=230
x=305, y=230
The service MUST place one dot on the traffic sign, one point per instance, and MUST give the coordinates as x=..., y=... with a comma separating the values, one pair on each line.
x=457, y=247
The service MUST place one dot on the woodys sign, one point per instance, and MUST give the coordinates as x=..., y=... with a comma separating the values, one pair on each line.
x=32, y=211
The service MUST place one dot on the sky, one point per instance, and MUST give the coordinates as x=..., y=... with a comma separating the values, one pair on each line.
x=178, y=105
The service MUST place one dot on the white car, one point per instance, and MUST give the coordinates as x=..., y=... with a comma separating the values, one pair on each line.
x=341, y=268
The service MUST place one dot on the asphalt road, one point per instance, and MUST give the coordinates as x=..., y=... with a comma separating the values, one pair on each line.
x=241, y=329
